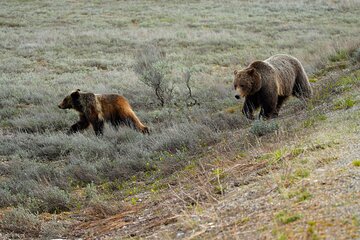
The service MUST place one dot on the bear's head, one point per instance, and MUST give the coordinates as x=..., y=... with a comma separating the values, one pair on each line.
x=71, y=101
x=246, y=82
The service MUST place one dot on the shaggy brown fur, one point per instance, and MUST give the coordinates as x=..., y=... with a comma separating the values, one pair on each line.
x=267, y=84
x=95, y=109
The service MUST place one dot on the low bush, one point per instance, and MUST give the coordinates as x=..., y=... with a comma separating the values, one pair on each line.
x=21, y=221
x=261, y=127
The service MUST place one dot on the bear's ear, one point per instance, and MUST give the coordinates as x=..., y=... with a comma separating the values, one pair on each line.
x=251, y=71
x=75, y=94
x=235, y=72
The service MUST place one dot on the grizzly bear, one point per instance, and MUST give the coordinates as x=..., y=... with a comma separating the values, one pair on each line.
x=267, y=84
x=95, y=109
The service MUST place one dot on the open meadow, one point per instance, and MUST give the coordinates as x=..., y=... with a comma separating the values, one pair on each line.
x=174, y=62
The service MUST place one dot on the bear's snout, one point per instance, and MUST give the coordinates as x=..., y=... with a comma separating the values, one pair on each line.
x=62, y=106
x=237, y=96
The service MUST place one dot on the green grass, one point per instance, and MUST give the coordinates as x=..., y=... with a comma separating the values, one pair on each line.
x=339, y=56
x=356, y=163
x=300, y=195
x=282, y=236
x=313, y=120
x=311, y=232
x=344, y=103
x=326, y=90
x=284, y=217
x=348, y=81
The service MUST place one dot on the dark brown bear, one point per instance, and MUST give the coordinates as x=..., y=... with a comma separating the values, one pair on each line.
x=95, y=109
x=267, y=84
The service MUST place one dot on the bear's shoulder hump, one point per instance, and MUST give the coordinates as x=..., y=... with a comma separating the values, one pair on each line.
x=259, y=65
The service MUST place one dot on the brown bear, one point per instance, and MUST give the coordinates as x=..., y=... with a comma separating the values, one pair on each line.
x=95, y=109
x=267, y=84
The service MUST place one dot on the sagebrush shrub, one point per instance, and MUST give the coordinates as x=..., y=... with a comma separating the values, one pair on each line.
x=153, y=70
x=260, y=127
x=21, y=221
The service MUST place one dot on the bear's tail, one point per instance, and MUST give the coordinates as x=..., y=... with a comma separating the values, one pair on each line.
x=302, y=85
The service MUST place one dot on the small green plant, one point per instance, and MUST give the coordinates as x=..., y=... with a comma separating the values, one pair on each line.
x=301, y=173
x=303, y=196
x=284, y=217
x=308, y=123
x=313, y=80
x=328, y=160
x=356, y=162
x=310, y=232
x=278, y=154
x=242, y=221
x=219, y=174
x=297, y=151
x=355, y=221
x=134, y=200
x=282, y=236
x=266, y=156
x=191, y=167
x=313, y=119
x=347, y=82
x=340, y=55
x=300, y=195
x=275, y=156
x=279, y=234
x=91, y=192
x=344, y=104
x=157, y=186
x=298, y=174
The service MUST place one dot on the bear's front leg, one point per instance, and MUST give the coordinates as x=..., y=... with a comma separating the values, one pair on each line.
x=248, y=113
x=98, y=126
x=251, y=103
x=83, y=123
x=266, y=114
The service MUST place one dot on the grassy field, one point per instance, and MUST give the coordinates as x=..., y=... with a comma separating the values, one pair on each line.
x=51, y=181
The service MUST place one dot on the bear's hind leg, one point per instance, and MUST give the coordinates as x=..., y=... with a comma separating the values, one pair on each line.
x=138, y=125
x=268, y=109
x=280, y=102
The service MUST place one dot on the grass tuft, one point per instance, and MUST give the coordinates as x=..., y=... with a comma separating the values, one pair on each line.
x=284, y=217
x=344, y=103
x=356, y=163
x=300, y=195
x=311, y=121
x=261, y=127
x=340, y=55
x=311, y=232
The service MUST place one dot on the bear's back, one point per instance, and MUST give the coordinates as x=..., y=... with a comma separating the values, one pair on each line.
x=286, y=68
x=281, y=70
x=283, y=63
